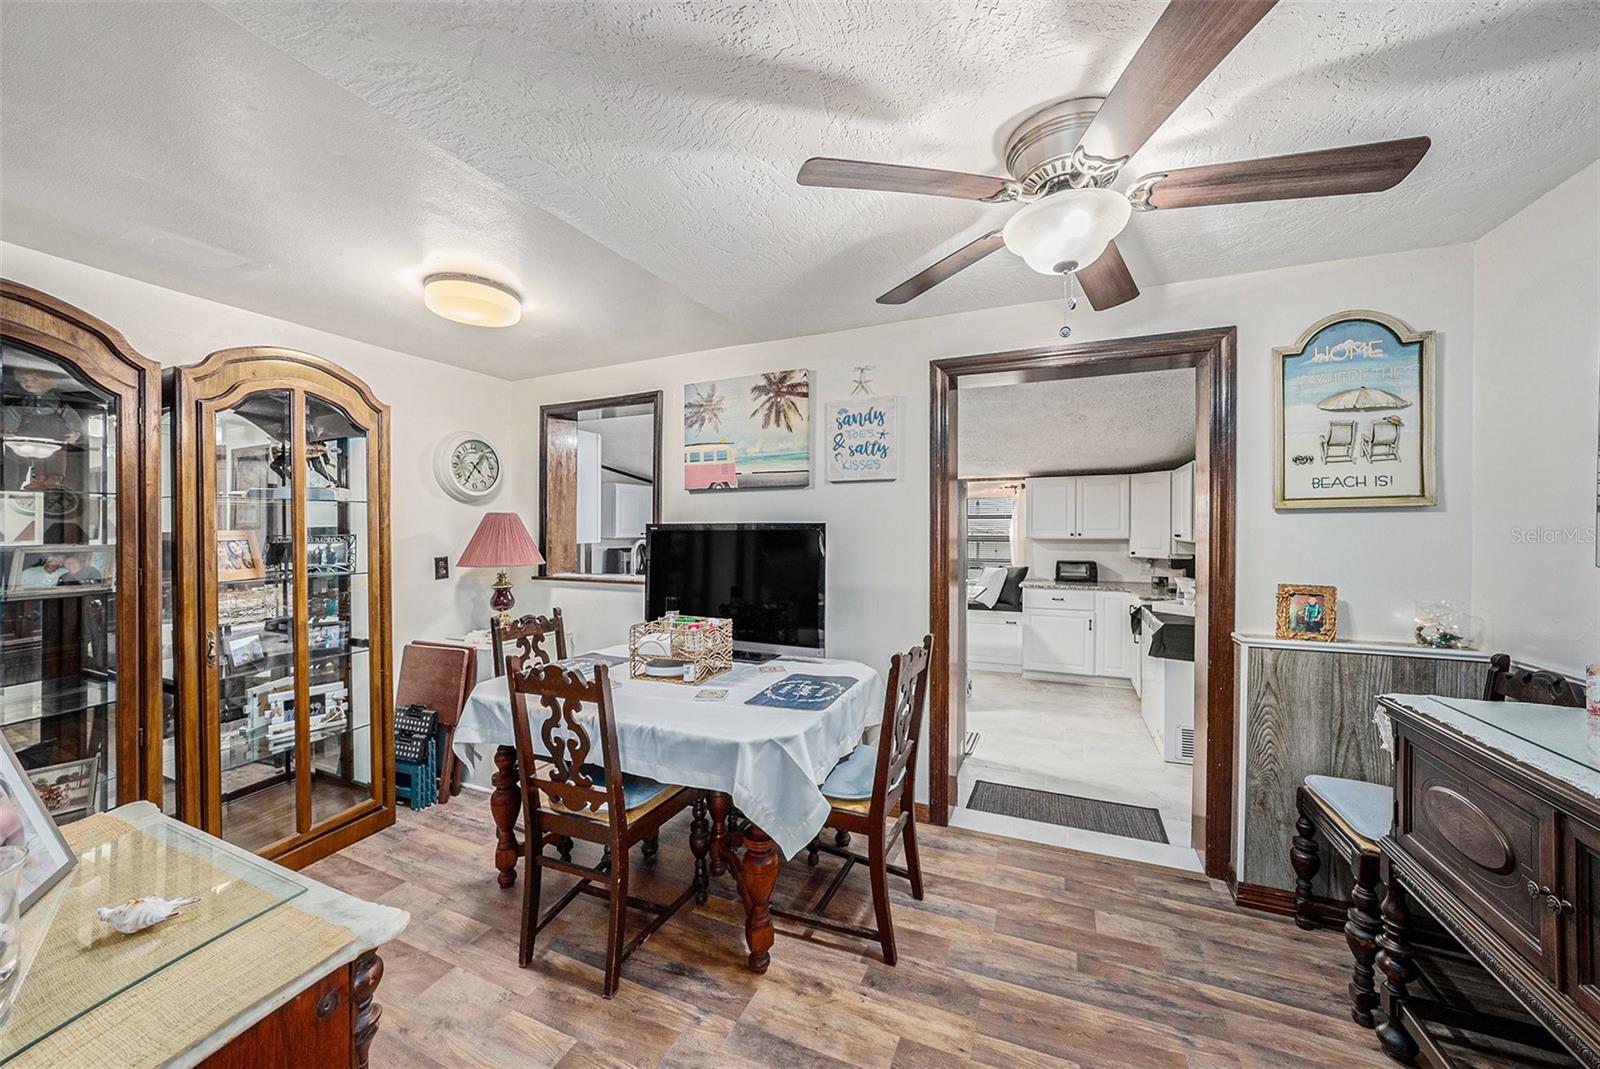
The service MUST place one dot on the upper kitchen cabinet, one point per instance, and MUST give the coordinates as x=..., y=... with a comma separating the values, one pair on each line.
x=1183, y=504
x=1151, y=531
x=281, y=577
x=1078, y=507
x=80, y=646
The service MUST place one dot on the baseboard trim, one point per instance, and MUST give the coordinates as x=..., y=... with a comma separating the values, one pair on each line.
x=1326, y=912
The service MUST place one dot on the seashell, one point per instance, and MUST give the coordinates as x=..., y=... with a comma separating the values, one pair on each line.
x=137, y=914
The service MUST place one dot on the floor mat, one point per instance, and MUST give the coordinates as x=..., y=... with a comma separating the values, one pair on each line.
x=1069, y=811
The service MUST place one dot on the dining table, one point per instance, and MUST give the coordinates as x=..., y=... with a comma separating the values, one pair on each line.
x=759, y=739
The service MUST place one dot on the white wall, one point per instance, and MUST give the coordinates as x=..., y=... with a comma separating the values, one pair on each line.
x=428, y=400
x=878, y=532
x=1536, y=284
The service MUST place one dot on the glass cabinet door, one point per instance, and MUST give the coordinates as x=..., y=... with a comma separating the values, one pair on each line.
x=59, y=558
x=338, y=613
x=289, y=645
x=252, y=646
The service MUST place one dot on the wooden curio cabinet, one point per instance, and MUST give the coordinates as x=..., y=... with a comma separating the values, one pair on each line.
x=280, y=469
x=80, y=689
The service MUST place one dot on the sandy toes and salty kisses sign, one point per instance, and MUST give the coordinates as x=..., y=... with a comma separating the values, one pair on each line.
x=1354, y=408
x=863, y=439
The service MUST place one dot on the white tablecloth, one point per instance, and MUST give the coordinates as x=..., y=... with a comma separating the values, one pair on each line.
x=769, y=760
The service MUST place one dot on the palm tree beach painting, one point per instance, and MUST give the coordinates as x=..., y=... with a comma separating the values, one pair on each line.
x=748, y=433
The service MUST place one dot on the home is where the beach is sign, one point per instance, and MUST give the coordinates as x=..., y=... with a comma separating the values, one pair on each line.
x=862, y=438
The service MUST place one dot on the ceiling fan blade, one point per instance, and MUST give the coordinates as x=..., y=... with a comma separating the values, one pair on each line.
x=1187, y=43
x=1107, y=282
x=1331, y=172
x=893, y=178
x=930, y=277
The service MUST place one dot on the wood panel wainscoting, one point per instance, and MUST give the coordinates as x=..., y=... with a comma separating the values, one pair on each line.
x=1211, y=353
x=1307, y=709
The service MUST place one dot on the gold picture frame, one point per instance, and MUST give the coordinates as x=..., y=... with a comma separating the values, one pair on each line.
x=1367, y=442
x=239, y=556
x=1308, y=612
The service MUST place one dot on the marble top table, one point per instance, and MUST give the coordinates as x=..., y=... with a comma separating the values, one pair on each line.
x=173, y=959
x=769, y=762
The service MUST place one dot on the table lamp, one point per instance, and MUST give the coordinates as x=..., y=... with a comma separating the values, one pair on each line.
x=501, y=541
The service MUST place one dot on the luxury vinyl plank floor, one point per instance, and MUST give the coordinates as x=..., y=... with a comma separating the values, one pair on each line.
x=1019, y=956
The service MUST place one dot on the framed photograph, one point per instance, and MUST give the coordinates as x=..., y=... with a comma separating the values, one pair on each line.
x=250, y=468
x=330, y=554
x=238, y=556
x=25, y=822
x=1308, y=612
x=1353, y=411
x=251, y=604
x=69, y=790
x=247, y=514
x=20, y=518
x=61, y=570
x=244, y=648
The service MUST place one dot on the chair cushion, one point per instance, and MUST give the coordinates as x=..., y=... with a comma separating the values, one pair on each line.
x=639, y=794
x=1367, y=808
x=851, y=779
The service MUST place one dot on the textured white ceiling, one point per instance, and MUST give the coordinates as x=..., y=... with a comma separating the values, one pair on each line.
x=1139, y=422
x=632, y=165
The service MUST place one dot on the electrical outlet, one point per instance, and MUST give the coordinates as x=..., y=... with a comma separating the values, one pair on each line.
x=441, y=567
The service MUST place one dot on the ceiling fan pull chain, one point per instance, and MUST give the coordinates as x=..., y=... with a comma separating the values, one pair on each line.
x=1070, y=285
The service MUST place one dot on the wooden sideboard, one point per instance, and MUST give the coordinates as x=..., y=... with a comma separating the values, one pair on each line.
x=1497, y=837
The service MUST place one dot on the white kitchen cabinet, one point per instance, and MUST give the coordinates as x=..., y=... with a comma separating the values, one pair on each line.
x=1150, y=514
x=588, y=493
x=1183, y=503
x=1052, y=510
x=1059, y=641
x=627, y=508
x=1102, y=511
x=1078, y=507
x=994, y=640
x=1114, y=653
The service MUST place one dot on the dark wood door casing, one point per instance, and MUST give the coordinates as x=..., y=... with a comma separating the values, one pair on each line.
x=1211, y=352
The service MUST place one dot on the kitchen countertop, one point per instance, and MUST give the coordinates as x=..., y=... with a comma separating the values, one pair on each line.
x=1143, y=590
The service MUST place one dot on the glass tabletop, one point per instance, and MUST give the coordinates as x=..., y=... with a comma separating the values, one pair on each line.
x=1569, y=735
x=82, y=961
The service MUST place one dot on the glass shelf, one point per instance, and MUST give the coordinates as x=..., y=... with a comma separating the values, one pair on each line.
x=23, y=703
x=82, y=963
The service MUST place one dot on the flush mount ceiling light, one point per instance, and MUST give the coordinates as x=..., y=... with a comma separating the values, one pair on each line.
x=472, y=299
x=1068, y=229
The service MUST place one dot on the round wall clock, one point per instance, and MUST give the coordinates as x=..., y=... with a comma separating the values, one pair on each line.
x=467, y=467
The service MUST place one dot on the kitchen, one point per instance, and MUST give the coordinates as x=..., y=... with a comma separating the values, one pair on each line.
x=1080, y=621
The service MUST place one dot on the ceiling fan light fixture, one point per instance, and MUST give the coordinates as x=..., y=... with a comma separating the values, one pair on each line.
x=1067, y=230
x=472, y=299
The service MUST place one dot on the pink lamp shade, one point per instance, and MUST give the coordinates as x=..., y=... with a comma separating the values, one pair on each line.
x=501, y=541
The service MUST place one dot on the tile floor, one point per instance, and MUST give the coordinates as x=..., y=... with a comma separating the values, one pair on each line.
x=1077, y=739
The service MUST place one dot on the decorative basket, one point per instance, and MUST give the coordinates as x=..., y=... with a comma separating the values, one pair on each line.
x=703, y=643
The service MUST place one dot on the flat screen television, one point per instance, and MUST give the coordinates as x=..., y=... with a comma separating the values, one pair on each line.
x=769, y=578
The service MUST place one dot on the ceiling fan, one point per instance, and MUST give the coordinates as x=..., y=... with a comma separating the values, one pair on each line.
x=1064, y=158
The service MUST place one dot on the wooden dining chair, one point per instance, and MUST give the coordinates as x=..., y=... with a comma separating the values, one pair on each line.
x=864, y=791
x=565, y=794
x=543, y=636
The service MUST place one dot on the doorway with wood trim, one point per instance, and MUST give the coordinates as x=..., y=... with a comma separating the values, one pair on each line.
x=1209, y=356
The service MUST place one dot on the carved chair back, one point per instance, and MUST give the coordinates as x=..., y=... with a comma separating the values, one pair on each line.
x=557, y=744
x=1513, y=683
x=904, y=697
x=544, y=637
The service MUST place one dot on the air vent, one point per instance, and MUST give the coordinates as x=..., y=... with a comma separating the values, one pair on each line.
x=1186, y=744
